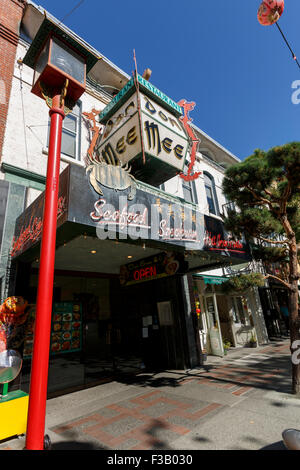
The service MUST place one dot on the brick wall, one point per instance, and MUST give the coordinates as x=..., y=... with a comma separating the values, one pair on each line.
x=11, y=12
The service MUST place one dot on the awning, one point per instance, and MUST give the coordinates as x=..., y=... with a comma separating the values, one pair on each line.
x=140, y=212
x=211, y=279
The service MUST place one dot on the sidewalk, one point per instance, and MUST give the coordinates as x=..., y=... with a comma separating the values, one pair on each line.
x=240, y=402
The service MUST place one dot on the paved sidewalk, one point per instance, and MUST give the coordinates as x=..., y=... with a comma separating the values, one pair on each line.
x=240, y=402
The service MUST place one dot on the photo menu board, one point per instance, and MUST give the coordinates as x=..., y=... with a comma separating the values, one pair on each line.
x=66, y=329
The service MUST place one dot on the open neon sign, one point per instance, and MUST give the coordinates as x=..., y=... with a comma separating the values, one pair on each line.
x=145, y=273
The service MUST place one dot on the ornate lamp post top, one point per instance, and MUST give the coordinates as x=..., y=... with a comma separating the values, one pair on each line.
x=56, y=56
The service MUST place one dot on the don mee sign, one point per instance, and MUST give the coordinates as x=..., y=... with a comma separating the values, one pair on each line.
x=144, y=130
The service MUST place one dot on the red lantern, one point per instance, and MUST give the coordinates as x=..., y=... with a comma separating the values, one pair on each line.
x=270, y=11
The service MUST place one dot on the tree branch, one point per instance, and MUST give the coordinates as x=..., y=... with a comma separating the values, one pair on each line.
x=275, y=242
x=286, y=284
x=262, y=200
x=277, y=199
x=258, y=198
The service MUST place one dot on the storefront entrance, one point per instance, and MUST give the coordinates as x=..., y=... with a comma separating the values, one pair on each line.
x=102, y=331
x=272, y=298
x=130, y=315
x=148, y=316
x=213, y=330
x=223, y=320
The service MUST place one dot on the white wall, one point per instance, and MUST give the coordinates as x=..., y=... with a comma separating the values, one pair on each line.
x=174, y=185
x=25, y=143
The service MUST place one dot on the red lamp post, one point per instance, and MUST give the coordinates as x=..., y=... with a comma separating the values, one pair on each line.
x=40, y=359
x=60, y=65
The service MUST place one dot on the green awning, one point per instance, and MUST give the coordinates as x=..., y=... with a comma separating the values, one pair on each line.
x=211, y=279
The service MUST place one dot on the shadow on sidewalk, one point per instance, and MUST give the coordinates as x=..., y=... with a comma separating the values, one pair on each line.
x=274, y=374
x=275, y=446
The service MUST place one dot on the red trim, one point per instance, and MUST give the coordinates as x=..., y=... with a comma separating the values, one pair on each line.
x=185, y=119
x=41, y=347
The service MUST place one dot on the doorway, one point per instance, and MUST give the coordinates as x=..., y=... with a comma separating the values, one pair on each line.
x=223, y=305
x=213, y=325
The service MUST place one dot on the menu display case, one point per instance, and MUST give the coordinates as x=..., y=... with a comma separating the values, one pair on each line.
x=66, y=329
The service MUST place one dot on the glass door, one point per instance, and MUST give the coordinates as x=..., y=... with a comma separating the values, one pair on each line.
x=214, y=330
x=202, y=328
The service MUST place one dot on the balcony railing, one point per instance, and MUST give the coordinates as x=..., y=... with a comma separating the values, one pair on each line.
x=226, y=208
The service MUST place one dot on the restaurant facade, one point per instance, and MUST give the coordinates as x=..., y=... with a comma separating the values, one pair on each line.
x=141, y=251
x=124, y=297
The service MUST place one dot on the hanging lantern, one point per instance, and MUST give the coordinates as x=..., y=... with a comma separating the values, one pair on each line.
x=270, y=11
x=12, y=322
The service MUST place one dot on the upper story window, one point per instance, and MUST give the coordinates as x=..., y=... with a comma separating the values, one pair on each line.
x=189, y=191
x=228, y=206
x=71, y=133
x=211, y=194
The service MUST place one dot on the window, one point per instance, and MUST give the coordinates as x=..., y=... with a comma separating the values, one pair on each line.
x=239, y=312
x=70, y=142
x=211, y=194
x=228, y=207
x=189, y=191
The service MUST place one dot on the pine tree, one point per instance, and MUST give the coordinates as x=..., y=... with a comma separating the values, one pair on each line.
x=265, y=188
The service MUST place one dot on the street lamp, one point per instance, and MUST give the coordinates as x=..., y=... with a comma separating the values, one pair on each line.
x=56, y=63
x=60, y=64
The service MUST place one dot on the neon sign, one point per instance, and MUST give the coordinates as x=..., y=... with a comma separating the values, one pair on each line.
x=118, y=217
x=142, y=273
x=151, y=268
x=33, y=231
x=217, y=243
x=187, y=107
x=143, y=129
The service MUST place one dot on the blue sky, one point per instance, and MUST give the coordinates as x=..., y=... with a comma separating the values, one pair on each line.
x=215, y=53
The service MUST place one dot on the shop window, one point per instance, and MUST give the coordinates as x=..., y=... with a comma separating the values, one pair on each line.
x=210, y=307
x=235, y=315
x=211, y=194
x=71, y=130
x=239, y=312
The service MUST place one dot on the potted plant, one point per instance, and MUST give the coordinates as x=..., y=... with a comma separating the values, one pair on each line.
x=226, y=346
x=253, y=341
